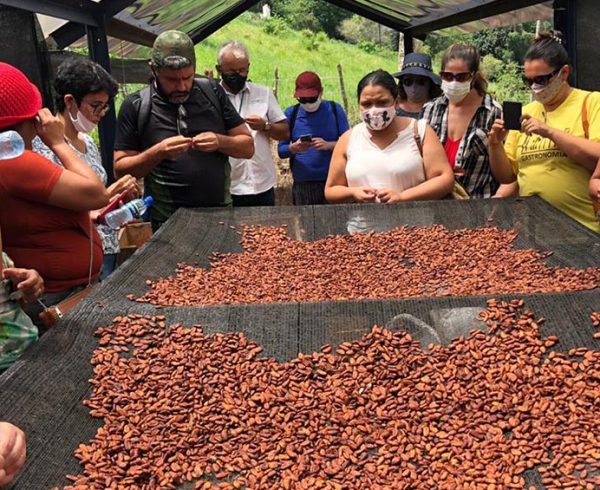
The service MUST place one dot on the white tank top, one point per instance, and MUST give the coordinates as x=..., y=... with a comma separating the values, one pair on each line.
x=399, y=166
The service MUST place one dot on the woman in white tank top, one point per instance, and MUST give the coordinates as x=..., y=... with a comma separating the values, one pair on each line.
x=387, y=158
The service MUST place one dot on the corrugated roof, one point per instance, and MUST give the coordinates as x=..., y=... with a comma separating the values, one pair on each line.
x=200, y=18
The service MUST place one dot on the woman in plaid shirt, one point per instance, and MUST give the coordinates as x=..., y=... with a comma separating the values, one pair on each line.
x=462, y=117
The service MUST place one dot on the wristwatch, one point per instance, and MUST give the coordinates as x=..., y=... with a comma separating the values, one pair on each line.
x=268, y=126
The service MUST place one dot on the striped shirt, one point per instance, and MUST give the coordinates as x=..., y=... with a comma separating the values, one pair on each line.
x=472, y=157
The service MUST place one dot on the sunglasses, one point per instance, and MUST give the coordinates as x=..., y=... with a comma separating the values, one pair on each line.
x=448, y=76
x=307, y=100
x=182, y=127
x=541, y=79
x=407, y=82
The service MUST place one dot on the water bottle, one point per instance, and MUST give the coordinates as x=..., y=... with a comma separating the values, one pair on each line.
x=128, y=212
x=11, y=145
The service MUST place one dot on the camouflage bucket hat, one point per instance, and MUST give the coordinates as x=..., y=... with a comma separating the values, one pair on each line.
x=173, y=49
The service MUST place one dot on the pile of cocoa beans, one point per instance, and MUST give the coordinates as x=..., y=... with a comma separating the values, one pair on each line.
x=401, y=263
x=180, y=406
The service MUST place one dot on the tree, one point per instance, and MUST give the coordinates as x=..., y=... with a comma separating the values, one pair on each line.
x=357, y=30
x=315, y=15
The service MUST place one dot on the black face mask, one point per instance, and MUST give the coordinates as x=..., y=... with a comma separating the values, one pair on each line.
x=234, y=81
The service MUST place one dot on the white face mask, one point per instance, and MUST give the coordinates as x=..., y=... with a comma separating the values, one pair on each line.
x=81, y=123
x=546, y=94
x=456, y=91
x=312, y=106
x=378, y=118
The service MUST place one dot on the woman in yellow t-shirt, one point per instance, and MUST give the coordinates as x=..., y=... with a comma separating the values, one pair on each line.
x=556, y=150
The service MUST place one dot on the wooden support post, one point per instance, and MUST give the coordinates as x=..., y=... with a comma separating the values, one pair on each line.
x=276, y=82
x=343, y=88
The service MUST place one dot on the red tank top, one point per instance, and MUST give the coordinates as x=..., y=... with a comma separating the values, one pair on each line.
x=451, y=148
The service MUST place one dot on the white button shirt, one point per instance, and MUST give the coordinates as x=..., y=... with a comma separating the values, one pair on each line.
x=257, y=174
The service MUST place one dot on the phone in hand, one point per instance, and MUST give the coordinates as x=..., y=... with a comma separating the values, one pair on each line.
x=306, y=138
x=512, y=112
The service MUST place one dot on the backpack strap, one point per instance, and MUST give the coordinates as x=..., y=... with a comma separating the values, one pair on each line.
x=293, y=117
x=291, y=122
x=584, y=117
x=144, y=108
x=209, y=89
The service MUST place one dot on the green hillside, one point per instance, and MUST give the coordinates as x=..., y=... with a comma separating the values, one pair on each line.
x=292, y=52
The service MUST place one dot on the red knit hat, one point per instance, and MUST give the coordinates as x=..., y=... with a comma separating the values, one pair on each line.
x=20, y=99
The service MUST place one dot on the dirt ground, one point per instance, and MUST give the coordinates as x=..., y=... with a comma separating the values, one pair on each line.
x=283, y=186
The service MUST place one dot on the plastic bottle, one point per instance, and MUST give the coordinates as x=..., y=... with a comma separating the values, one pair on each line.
x=11, y=145
x=128, y=212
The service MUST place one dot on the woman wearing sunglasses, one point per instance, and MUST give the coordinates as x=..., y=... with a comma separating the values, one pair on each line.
x=417, y=84
x=462, y=117
x=83, y=92
x=556, y=150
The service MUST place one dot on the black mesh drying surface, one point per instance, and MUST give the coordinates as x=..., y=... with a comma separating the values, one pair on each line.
x=42, y=393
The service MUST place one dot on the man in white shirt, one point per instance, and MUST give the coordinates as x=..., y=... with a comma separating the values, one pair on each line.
x=252, y=179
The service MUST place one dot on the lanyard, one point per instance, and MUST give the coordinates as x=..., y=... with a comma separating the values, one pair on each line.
x=241, y=102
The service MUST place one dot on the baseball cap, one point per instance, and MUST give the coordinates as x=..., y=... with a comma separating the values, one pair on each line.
x=308, y=84
x=173, y=49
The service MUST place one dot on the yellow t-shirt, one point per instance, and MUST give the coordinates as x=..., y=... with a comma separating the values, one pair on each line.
x=544, y=170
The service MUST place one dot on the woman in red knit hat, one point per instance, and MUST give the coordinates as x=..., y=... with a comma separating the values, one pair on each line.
x=44, y=214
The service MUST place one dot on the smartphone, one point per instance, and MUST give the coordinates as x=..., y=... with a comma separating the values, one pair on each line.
x=512, y=112
x=306, y=138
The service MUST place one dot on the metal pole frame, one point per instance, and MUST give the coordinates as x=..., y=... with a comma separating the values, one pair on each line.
x=409, y=43
x=98, y=50
x=565, y=21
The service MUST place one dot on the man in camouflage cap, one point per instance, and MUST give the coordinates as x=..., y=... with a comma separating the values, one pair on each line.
x=173, y=49
x=179, y=132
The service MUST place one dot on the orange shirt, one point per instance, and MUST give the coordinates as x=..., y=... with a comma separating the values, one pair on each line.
x=54, y=241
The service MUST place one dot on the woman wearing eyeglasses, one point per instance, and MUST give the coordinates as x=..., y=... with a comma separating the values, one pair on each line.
x=462, y=117
x=417, y=85
x=83, y=92
x=556, y=150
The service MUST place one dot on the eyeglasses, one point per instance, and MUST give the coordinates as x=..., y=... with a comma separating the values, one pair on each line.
x=307, y=100
x=99, y=109
x=541, y=79
x=407, y=82
x=448, y=76
x=182, y=127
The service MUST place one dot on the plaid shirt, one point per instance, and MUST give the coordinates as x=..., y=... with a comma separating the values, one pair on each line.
x=472, y=156
x=17, y=331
